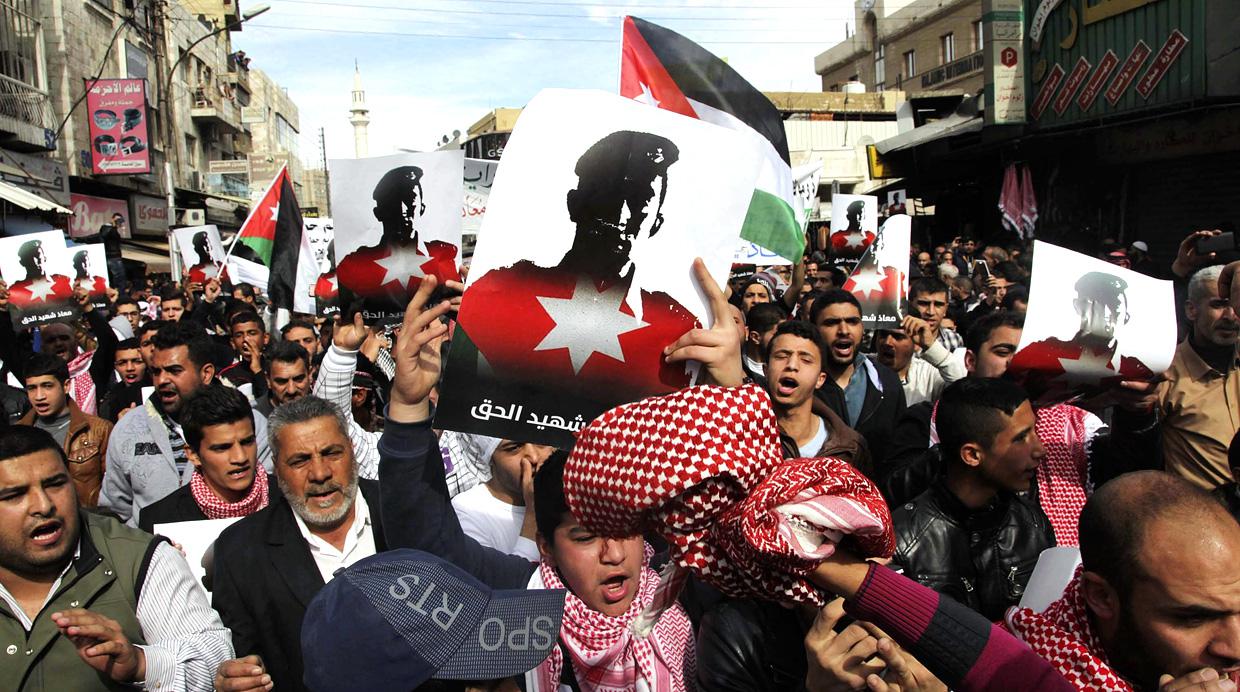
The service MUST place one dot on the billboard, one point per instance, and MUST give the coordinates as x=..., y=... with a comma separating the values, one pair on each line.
x=116, y=117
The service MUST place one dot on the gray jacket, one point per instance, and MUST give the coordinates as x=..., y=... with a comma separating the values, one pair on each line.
x=140, y=466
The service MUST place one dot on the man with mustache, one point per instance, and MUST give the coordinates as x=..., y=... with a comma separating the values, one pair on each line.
x=269, y=566
x=147, y=457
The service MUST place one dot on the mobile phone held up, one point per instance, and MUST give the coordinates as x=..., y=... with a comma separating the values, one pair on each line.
x=1221, y=243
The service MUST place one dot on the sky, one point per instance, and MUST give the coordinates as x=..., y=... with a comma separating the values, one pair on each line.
x=430, y=67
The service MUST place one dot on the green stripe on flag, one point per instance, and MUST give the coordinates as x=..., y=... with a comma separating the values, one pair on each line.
x=772, y=224
x=261, y=247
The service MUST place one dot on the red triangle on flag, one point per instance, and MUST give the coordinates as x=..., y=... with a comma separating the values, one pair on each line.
x=261, y=223
x=643, y=77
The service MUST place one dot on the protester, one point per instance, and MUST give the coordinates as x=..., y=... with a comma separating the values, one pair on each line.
x=94, y=604
x=919, y=359
x=760, y=324
x=130, y=367
x=288, y=376
x=248, y=337
x=971, y=535
x=928, y=300
x=269, y=566
x=222, y=445
x=302, y=332
x=865, y=393
x=172, y=305
x=496, y=513
x=81, y=436
x=146, y=457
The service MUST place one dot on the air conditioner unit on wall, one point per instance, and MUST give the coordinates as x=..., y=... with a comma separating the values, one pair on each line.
x=193, y=217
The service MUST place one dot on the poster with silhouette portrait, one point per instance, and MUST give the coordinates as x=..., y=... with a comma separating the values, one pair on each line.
x=397, y=219
x=583, y=270
x=202, y=253
x=320, y=233
x=39, y=273
x=854, y=225
x=880, y=279
x=90, y=271
x=1091, y=325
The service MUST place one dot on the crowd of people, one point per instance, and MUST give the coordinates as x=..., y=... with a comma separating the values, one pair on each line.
x=369, y=550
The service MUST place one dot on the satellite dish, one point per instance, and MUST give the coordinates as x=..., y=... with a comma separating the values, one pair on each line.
x=456, y=134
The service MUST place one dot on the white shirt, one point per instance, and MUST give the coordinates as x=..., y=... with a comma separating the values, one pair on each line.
x=809, y=450
x=359, y=542
x=493, y=522
x=754, y=365
x=185, y=639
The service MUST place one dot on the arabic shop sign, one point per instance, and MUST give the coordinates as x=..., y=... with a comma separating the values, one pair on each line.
x=1096, y=58
x=953, y=70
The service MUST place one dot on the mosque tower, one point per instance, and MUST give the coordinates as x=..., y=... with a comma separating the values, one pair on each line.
x=360, y=115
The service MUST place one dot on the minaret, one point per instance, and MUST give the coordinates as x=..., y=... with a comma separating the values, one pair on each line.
x=360, y=115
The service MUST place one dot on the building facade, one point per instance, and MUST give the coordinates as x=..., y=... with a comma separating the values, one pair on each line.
x=917, y=46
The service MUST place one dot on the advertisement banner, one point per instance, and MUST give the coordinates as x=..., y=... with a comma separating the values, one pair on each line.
x=148, y=215
x=116, y=116
x=89, y=213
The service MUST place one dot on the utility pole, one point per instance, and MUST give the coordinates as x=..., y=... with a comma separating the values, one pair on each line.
x=327, y=185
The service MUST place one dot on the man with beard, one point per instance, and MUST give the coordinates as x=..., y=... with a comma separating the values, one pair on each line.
x=269, y=566
x=862, y=391
x=519, y=319
x=94, y=604
x=147, y=456
x=382, y=275
x=288, y=376
x=1198, y=401
x=1154, y=603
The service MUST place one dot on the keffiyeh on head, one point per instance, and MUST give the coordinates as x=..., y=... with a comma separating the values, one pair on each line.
x=703, y=468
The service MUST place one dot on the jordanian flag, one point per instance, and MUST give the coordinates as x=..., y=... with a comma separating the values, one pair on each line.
x=664, y=69
x=271, y=251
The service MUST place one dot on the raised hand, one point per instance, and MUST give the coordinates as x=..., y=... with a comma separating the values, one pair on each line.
x=350, y=336
x=416, y=354
x=718, y=349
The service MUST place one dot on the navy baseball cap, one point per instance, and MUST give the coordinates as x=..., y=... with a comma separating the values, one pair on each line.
x=398, y=618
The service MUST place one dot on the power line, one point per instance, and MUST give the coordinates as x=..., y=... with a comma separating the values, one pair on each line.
x=648, y=6
x=610, y=26
x=516, y=38
x=491, y=13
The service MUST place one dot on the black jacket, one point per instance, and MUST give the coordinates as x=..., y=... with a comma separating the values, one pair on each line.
x=981, y=558
x=751, y=646
x=179, y=505
x=264, y=577
x=879, y=413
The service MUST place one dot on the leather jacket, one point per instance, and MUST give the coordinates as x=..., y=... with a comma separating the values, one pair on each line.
x=982, y=558
x=751, y=646
x=85, y=445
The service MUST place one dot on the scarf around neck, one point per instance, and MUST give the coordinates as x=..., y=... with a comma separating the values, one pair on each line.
x=607, y=653
x=1063, y=636
x=82, y=386
x=216, y=508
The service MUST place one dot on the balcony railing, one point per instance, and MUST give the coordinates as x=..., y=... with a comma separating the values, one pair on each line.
x=26, y=112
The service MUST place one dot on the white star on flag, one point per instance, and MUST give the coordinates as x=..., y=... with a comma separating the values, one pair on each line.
x=590, y=322
x=275, y=211
x=1090, y=368
x=646, y=97
x=401, y=265
x=40, y=289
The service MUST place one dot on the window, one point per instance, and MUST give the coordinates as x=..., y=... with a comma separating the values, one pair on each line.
x=978, y=43
x=910, y=63
x=20, y=35
x=947, y=48
x=191, y=151
x=880, y=67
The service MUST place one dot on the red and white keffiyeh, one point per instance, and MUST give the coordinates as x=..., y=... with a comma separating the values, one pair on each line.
x=608, y=655
x=1063, y=475
x=216, y=508
x=81, y=384
x=1063, y=636
x=703, y=467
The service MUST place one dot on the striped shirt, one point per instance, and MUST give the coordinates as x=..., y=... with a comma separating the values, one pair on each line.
x=335, y=384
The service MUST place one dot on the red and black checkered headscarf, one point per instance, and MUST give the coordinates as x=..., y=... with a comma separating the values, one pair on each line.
x=703, y=468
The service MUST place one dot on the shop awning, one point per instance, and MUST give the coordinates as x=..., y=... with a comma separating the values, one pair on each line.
x=28, y=200
x=965, y=119
x=154, y=253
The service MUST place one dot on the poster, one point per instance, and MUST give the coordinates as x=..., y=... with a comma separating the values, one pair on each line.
x=397, y=219
x=321, y=234
x=854, y=223
x=1090, y=325
x=116, y=114
x=880, y=279
x=90, y=271
x=583, y=270
x=196, y=539
x=479, y=174
x=37, y=268
x=202, y=253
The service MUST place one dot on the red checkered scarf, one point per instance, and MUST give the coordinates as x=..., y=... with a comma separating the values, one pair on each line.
x=608, y=653
x=1063, y=636
x=215, y=508
x=703, y=467
x=82, y=385
x=1063, y=476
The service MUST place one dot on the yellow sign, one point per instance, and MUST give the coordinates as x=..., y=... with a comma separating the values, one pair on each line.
x=879, y=168
x=1105, y=9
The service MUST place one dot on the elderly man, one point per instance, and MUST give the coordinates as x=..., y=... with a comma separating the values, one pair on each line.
x=94, y=604
x=269, y=565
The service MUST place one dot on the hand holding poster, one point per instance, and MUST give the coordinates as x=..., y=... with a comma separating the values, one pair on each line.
x=37, y=268
x=854, y=222
x=90, y=271
x=202, y=253
x=583, y=271
x=1091, y=325
x=397, y=220
x=880, y=279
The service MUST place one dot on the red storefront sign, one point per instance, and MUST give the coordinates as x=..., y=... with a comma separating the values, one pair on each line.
x=1049, y=84
x=1106, y=66
x=1167, y=55
x=1128, y=72
x=1075, y=78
